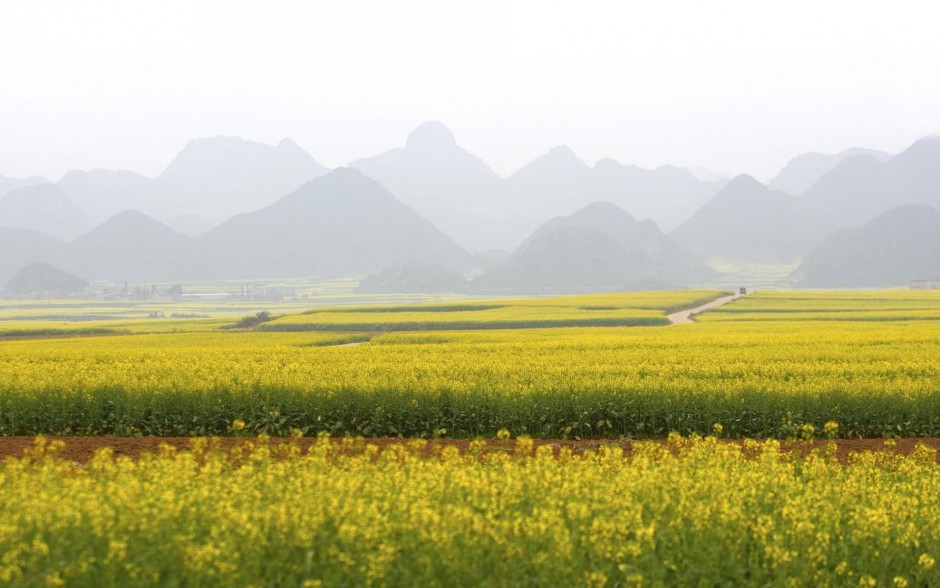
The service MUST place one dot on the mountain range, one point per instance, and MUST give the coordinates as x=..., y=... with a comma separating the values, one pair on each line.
x=449, y=186
x=340, y=224
x=42, y=207
x=208, y=182
x=747, y=221
x=559, y=182
x=230, y=208
x=600, y=247
x=804, y=170
x=897, y=246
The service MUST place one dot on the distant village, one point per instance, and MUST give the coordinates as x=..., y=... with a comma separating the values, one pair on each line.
x=180, y=293
x=105, y=290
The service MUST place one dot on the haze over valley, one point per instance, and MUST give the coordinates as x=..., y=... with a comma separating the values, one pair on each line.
x=430, y=215
x=467, y=147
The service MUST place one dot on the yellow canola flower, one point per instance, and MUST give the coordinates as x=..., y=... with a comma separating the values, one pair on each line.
x=692, y=511
x=543, y=382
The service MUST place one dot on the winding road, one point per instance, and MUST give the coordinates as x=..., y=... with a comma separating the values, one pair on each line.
x=684, y=317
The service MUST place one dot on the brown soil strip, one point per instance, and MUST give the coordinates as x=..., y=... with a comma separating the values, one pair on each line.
x=81, y=449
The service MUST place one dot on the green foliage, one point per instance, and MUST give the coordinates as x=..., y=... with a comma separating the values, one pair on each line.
x=250, y=322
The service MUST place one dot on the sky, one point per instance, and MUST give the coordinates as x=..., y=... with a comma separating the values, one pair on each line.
x=734, y=86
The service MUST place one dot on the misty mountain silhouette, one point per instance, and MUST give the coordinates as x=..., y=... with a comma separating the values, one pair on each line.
x=209, y=181
x=600, y=247
x=861, y=187
x=7, y=184
x=340, y=224
x=898, y=246
x=668, y=194
x=450, y=187
x=44, y=279
x=745, y=222
x=128, y=247
x=219, y=177
x=558, y=183
x=804, y=170
x=283, y=224
x=102, y=193
x=42, y=207
x=20, y=247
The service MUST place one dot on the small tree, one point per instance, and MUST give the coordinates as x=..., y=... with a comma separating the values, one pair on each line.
x=249, y=322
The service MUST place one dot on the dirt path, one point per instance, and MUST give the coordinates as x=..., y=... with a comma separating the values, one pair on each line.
x=684, y=317
x=81, y=449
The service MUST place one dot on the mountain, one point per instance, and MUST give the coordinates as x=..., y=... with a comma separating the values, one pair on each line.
x=749, y=222
x=661, y=257
x=450, y=187
x=558, y=182
x=101, y=193
x=598, y=248
x=42, y=207
x=19, y=247
x=745, y=222
x=42, y=279
x=804, y=170
x=129, y=247
x=668, y=194
x=219, y=177
x=340, y=224
x=210, y=180
x=861, y=187
x=898, y=246
x=7, y=184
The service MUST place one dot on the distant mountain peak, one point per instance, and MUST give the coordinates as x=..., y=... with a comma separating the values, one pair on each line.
x=603, y=210
x=742, y=185
x=48, y=193
x=132, y=216
x=607, y=163
x=130, y=223
x=291, y=147
x=857, y=162
x=557, y=161
x=927, y=147
x=211, y=150
x=562, y=151
x=562, y=155
x=907, y=213
x=803, y=171
x=431, y=135
x=288, y=143
x=897, y=246
x=43, y=207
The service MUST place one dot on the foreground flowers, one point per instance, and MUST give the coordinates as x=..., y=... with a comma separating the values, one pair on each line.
x=684, y=512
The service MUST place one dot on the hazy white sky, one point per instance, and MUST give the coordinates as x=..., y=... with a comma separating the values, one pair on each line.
x=738, y=86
